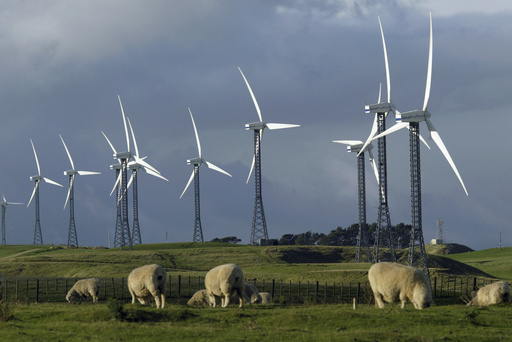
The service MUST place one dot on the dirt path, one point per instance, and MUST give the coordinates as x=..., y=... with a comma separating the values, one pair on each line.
x=20, y=253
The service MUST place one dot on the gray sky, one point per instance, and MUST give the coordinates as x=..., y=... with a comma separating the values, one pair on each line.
x=314, y=63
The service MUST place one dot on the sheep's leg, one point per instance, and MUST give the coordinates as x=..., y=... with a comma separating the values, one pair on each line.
x=226, y=301
x=133, y=295
x=162, y=300
x=378, y=301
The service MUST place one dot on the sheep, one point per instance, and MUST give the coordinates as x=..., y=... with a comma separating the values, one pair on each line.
x=222, y=282
x=200, y=298
x=494, y=293
x=84, y=288
x=252, y=293
x=391, y=282
x=148, y=281
x=266, y=298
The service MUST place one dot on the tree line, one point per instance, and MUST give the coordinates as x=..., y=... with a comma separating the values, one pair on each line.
x=336, y=237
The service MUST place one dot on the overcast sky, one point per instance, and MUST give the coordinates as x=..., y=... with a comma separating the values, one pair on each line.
x=313, y=63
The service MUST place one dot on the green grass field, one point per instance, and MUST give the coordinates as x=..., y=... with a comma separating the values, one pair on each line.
x=274, y=322
x=63, y=322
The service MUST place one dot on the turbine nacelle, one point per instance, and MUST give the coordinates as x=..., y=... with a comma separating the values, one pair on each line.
x=36, y=178
x=384, y=107
x=357, y=148
x=195, y=161
x=258, y=125
x=413, y=116
x=123, y=155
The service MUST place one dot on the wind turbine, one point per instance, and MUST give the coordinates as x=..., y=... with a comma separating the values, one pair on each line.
x=4, y=205
x=197, y=162
x=72, y=236
x=412, y=120
x=259, y=224
x=135, y=165
x=381, y=110
x=122, y=233
x=355, y=146
x=38, y=236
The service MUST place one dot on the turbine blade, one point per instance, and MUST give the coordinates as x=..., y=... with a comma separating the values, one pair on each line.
x=153, y=173
x=374, y=166
x=87, y=173
x=216, y=168
x=133, y=137
x=375, y=127
x=429, y=70
x=33, y=193
x=69, y=190
x=348, y=142
x=195, y=131
x=189, y=181
x=35, y=155
x=252, y=168
x=48, y=180
x=280, y=125
x=424, y=141
x=437, y=139
x=67, y=151
x=125, y=127
x=252, y=95
x=394, y=128
x=388, y=81
x=118, y=181
x=380, y=92
x=111, y=146
x=145, y=164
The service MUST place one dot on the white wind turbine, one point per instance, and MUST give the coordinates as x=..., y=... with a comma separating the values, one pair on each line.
x=4, y=205
x=259, y=224
x=72, y=235
x=122, y=233
x=356, y=146
x=135, y=165
x=197, y=162
x=412, y=120
x=38, y=236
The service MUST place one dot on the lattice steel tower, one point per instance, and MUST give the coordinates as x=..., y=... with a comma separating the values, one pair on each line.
x=362, y=234
x=72, y=237
x=197, y=162
x=38, y=235
x=259, y=223
x=136, y=238
x=4, y=205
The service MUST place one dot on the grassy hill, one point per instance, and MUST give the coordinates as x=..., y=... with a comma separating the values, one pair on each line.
x=282, y=263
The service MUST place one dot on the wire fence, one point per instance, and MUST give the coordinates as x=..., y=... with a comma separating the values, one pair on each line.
x=179, y=289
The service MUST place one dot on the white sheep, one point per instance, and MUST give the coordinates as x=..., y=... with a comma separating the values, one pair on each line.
x=252, y=293
x=266, y=298
x=148, y=281
x=84, y=288
x=494, y=293
x=222, y=282
x=200, y=298
x=391, y=282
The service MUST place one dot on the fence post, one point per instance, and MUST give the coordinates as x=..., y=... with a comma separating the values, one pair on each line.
x=273, y=287
x=179, y=287
x=334, y=292
x=358, y=292
x=37, y=290
x=113, y=289
x=341, y=293
x=435, y=287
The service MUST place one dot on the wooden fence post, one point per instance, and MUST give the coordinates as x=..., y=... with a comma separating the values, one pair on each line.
x=273, y=288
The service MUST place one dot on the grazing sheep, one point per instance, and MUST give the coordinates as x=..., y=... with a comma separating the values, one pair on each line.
x=84, y=288
x=223, y=282
x=494, y=293
x=146, y=282
x=200, y=298
x=391, y=282
x=252, y=293
x=266, y=298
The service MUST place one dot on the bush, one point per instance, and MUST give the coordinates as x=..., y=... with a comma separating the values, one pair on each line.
x=116, y=309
